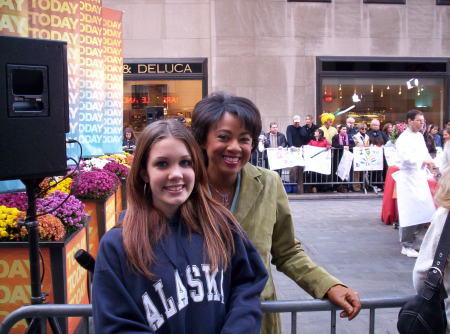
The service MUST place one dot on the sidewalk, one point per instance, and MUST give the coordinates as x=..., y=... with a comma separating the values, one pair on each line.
x=347, y=238
x=334, y=195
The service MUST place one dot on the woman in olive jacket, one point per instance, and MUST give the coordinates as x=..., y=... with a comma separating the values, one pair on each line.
x=227, y=128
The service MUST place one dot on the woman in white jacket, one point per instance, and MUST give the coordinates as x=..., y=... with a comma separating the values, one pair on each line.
x=445, y=155
x=431, y=240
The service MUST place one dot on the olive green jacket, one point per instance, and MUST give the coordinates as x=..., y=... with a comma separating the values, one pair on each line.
x=263, y=211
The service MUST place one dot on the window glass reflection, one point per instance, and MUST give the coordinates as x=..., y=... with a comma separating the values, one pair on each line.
x=386, y=99
x=146, y=101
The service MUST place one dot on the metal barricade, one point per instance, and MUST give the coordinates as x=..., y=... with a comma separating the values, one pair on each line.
x=258, y=158
x=316, y=179
x=293, y=307
x=363, y=180
x=45, y=311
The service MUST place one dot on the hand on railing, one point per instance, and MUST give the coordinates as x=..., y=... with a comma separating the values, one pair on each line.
x=345, y=298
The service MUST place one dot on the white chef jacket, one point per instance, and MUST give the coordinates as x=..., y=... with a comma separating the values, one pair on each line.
x=414, y=199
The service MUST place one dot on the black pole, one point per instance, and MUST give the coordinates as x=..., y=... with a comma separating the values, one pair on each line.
x=33, y=242
x=36, y=325
x=31, y=223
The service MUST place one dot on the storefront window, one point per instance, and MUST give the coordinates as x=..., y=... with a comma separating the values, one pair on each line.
x=385, y=99
x=166, y=88
x=149, y=100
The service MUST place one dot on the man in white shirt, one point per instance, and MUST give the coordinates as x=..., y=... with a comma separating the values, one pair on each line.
x=414, y=199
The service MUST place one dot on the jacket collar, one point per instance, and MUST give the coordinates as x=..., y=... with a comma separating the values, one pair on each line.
x=251, y=186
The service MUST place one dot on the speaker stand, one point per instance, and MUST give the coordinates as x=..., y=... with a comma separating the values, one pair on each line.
x=36, y=325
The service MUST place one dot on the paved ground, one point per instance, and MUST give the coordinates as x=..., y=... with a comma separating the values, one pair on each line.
x=346, y=237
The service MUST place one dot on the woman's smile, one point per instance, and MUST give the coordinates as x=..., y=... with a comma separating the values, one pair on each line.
x=228, y=147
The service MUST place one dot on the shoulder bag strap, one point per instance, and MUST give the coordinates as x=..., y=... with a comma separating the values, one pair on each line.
x=436, y=272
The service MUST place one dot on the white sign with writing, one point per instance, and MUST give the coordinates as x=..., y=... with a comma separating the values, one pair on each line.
x=317, y=159
x=345, y=165
x=280, y=158
x=295, y=156
x=367, y=158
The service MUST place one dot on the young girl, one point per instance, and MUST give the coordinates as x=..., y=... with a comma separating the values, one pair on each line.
x=180, y=263
x=227, y=129
x=319, y=139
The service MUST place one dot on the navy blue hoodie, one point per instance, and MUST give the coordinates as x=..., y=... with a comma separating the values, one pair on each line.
x=186, y=296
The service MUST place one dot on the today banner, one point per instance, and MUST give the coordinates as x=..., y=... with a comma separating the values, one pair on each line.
x=94, y=50
x=94, y=56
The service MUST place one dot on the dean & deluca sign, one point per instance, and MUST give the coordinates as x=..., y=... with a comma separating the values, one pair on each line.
x=163, y=68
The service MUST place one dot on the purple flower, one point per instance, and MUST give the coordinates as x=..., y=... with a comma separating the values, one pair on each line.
x=94, y=184
x=14, y=200
x=71, y=212
x=117, y=168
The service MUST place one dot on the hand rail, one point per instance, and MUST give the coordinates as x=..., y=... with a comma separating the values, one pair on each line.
x=292, y=306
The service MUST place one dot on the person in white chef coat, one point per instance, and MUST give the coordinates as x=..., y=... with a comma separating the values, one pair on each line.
x=414, y=199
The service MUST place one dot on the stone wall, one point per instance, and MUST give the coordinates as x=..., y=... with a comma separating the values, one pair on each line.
x=266, y=49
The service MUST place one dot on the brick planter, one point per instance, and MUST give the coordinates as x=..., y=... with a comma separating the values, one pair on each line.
x=65, y=280
x=102, y=215
x=121, y=197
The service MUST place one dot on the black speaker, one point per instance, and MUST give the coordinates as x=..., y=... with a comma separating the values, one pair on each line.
x=34, y=108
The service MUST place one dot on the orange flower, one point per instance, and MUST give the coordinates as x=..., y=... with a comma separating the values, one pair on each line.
x=50, y=228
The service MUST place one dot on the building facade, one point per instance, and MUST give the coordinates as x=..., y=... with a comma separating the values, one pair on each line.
x=293, y=57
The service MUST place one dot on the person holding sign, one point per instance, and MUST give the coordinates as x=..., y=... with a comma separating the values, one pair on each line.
x=227, y=129
x=361, y=139
x=180, y=263
x=275, y=139
x=319, y=139
x=414, y=199
x=296, y=136
x=341, y=142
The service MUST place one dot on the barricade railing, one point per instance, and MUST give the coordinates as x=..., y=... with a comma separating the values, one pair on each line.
x=294, y=307
x=44, y=311
x=359, y=180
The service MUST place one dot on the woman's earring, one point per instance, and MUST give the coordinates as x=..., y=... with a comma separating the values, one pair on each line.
x=145, y=189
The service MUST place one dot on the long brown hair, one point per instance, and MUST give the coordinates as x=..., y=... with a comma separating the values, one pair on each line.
x=144, y=225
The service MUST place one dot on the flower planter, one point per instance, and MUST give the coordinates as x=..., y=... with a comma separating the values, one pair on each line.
x=65, y=281
x=121, y=197
x=102, y=213
x=124, y=193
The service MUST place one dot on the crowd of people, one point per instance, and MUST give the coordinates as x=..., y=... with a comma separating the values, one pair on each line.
x=347, y=135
